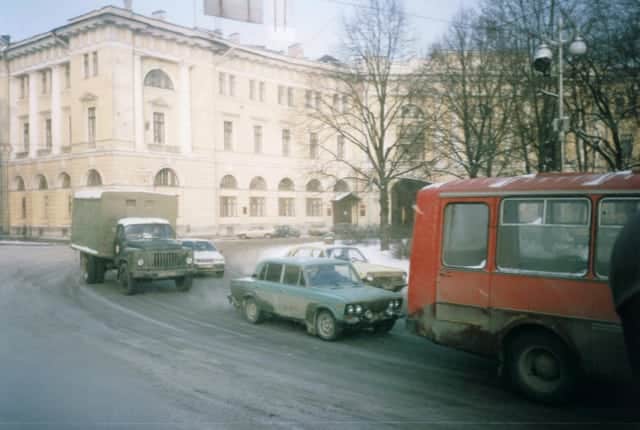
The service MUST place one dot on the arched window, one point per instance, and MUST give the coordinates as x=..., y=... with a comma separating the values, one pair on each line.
x=64, y=180
x=42, y=182
x=93, y=178
x=314, y=186
x=166, y=178
x=258, y=183
x=411, y=112
x=229, y=182
x=286, y=185
x=341, y=187
x=159, y=79
x=19, y=183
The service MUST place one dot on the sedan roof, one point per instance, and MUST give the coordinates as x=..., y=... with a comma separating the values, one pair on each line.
x=303, y=261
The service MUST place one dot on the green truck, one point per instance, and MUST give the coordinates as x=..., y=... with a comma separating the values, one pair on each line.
x=132, y=233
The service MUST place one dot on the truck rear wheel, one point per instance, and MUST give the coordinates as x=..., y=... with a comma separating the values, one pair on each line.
x=127, y=281
x=184, y=283
x=88, y=266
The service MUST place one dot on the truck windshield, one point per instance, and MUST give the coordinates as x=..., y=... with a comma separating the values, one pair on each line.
x=148, y=231
x=332, y=275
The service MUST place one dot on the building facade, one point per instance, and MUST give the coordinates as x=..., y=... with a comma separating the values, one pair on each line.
x=119, y=100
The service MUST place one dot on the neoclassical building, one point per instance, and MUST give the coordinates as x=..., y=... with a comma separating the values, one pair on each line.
x=115, y=99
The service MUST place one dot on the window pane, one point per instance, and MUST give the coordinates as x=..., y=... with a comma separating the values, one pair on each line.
x=465, y=235
x=273, y=272
x=613, y=215
x=291, y=275
x=560, y=245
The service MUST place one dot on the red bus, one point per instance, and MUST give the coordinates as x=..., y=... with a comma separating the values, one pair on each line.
x=516, y=269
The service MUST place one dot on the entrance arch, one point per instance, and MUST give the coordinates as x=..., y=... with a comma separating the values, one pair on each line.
x=403, y=197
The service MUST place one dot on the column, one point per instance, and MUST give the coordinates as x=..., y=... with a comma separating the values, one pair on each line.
x=56, y=109
x=185, y=109
x=34, y=117
x=138, y=108
x=14, y=126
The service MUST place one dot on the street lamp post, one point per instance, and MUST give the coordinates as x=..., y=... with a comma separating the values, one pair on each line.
x=542, y=62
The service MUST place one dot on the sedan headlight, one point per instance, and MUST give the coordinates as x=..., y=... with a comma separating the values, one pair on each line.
x=350, y=309
x=189, y=260
x=369, y=278
x=394, y=304
x=404, y=277
x=141, y=262
x=359, y=309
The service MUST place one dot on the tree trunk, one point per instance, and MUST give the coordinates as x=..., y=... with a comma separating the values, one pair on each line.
x=384, y=218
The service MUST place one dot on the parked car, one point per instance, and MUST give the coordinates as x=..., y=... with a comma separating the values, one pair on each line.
x=388, y=278
x=319, y=230
x=286, y=231
x=206, y=258
x=326, y=295
x=256, y=233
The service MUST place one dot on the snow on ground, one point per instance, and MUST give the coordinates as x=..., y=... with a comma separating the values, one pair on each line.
x=385, y=258
x=25, y=243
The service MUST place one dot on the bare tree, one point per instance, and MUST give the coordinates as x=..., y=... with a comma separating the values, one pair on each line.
x=374, y=107
x=606, y=100
x=467, y=76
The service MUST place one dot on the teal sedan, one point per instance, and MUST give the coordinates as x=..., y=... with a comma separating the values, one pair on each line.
x=326, y=295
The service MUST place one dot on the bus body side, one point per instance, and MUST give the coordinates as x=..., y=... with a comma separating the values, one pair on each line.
x=482, y=309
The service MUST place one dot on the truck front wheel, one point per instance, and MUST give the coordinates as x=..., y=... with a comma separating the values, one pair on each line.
x=184, y=283
x=89, y=268
x=127, y=281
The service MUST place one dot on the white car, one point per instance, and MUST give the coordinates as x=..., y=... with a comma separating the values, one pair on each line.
x=206, y=258
x=257, y=233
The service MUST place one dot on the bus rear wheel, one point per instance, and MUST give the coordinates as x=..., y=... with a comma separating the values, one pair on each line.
x=542, y=367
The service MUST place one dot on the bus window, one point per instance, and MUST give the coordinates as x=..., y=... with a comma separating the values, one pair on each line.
x=466, y=227
x=613, y=214
x=544, y=235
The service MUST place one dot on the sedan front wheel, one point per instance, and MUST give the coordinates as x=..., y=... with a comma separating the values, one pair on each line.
x=326, y=326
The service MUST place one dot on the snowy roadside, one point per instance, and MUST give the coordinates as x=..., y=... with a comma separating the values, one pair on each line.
x=26, y=243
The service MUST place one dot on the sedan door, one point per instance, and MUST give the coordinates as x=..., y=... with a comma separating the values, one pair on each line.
x=293, y=296
x=268, y=286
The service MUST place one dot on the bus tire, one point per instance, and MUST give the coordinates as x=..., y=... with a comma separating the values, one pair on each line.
x=541, y=367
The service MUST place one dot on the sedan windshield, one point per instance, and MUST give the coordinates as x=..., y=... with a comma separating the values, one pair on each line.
x=148, y=231
x=202, y=246
x=331, y=275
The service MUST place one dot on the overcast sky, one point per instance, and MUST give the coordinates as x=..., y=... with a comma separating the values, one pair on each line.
x=315, y=24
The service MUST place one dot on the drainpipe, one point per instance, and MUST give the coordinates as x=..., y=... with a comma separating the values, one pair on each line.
x=4, y=150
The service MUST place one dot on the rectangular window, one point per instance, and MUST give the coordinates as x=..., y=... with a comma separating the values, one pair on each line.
x=232, y=85
x=261, y=91
x=363, y=210
x=257, y=139
x=222, y=83
x=86, y=65
x=286, y=142
x=290, y=97
x=314, y=207
x=95, y=63
x=25, y=136
x=44, y=85
x=91, y=125
x=548, y=235
x=67, y=75
x=292, y=275
x=252, y=89
x=280, y=94
x=47, y=133
x=69, y=126
x=308, y=99
x=313, y=146
x=274, y=272
x=340, y=148
x=158, y=128
x=613, y=214
x=24, y=86
x=228, y=136
x=336, y=102
x=256, y=206
x=466, y=233
x=227, y=206
x=286, y=206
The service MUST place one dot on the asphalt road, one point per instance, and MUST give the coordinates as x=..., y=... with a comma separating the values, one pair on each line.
x=76, y=356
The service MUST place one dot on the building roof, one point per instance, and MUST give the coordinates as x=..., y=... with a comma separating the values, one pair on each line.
x=625, y=181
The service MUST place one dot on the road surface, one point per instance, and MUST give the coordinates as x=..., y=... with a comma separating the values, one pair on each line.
x=76, y=356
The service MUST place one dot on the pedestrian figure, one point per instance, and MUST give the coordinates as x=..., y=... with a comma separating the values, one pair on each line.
x=624, y=280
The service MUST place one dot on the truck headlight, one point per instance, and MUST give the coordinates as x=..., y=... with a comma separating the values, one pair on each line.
x=141, y=262
x=189, y=260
